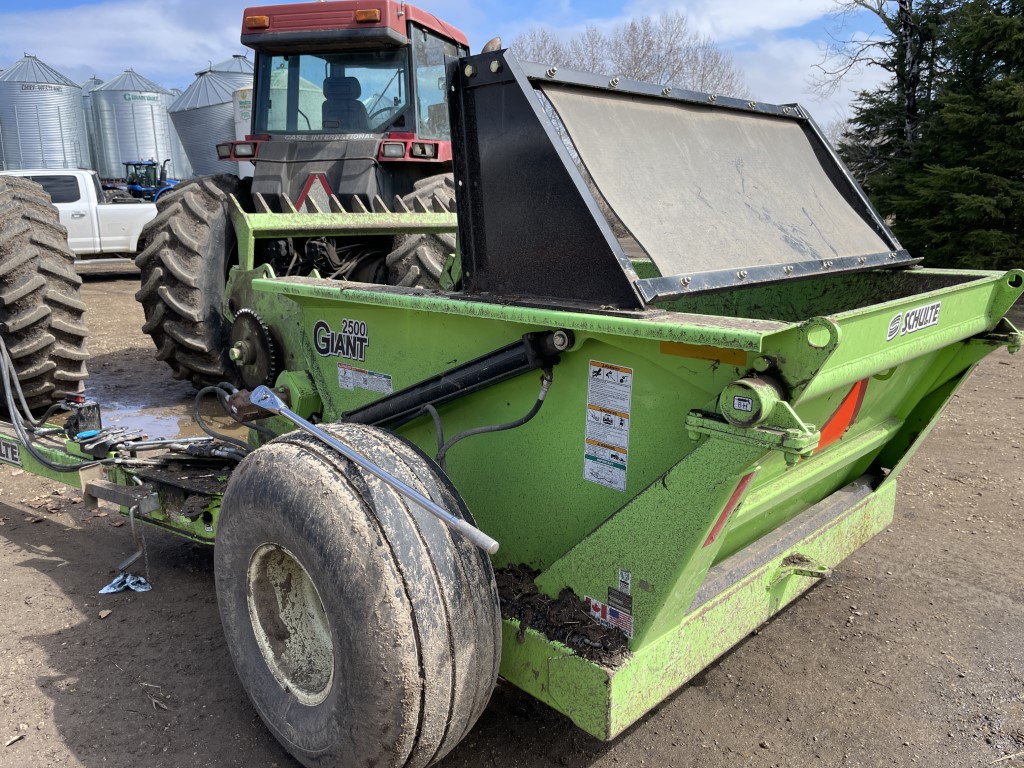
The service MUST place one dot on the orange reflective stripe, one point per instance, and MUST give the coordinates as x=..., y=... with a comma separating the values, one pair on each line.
x=844, y=416
x=734, y=500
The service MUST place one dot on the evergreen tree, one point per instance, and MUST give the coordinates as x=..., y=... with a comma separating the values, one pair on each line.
x=887, y=122
x=961, y=202
x=953, y=187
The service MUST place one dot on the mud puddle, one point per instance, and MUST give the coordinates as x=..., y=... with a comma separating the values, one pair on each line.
x=134, y=408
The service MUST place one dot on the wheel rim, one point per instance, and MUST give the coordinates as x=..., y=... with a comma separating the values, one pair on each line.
x=290, y=624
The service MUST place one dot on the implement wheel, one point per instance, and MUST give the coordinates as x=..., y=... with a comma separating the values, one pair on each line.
x=417, y=260
x=41, y=311
x=184, y=273
x=365, y=632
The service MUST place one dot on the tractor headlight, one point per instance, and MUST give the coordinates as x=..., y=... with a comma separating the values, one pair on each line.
x=223, y=151
x=393, y=149
x=245, y=149
x=420, y=149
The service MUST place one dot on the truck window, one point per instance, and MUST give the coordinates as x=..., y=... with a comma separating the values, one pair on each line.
x=428, y=57
x=62, y=189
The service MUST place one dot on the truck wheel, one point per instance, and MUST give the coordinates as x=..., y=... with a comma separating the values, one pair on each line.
x=363, y=630
x=41, y=311
x=184, y=272
x=417, y=260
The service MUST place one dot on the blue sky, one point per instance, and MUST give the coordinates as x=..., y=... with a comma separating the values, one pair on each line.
x=775, y=43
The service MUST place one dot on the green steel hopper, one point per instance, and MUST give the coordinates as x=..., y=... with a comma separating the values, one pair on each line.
x=677, y=368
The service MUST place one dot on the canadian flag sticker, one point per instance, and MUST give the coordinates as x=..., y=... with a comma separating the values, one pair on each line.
x=609, y=616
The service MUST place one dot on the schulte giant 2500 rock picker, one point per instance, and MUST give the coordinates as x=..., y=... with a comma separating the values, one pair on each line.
x=669, y=447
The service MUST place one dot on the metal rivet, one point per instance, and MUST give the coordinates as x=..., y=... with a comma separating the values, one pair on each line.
x=613, y=82
x=496, y=66
x=786, y=110
x=684, y=281
x=551, y=72
x=752, y=104
x=862, y=260
x=741, y=274
x=788, y=269
x=469, y=71
x=666, y=91
x=712, y=97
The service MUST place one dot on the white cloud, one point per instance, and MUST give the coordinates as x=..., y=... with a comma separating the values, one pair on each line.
x=727, y=20
x=779, y=71
x=164, y=40
x=169, y=40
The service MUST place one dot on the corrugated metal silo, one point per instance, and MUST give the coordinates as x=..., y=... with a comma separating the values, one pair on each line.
x=204, y=115
x=181, y=166
x=132, y=121
x=41, y=120
x=238, y=69
x=88, y=87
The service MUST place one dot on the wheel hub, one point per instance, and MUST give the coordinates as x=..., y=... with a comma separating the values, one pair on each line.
x=290, y=624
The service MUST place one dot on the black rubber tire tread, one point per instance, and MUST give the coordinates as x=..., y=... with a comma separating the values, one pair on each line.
x=417, y=260
x=41, y=309
x=474, y=624
x=183, y=270
x=413, y=607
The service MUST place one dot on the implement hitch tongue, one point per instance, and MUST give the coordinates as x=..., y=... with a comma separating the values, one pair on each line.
x=264, y=398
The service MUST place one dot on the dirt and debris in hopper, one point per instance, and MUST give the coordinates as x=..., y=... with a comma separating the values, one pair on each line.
x=564, y=618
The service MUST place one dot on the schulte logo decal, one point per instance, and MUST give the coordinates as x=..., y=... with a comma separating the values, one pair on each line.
x=914, y=320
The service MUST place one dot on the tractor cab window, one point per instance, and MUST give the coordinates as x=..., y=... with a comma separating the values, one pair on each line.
x=142, y=175
x=429, y=53
x=351, y=92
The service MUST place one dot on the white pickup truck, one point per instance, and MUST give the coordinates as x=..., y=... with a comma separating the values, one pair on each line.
x=94, y=225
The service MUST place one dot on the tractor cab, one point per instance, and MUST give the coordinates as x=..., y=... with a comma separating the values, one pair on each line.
x=349, y=96
x=147, y=179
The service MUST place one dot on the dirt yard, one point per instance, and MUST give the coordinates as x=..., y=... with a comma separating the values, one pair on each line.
x=912, y=654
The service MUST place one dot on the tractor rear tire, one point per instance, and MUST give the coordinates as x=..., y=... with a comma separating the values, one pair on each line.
x=365, y=632
x=417, y=260
x=41, y=311
x=184, y=273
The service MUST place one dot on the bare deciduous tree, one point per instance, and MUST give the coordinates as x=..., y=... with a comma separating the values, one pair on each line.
x=654, y=49
x=906, y=51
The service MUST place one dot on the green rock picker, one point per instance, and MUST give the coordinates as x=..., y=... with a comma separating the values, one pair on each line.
x=586, y=463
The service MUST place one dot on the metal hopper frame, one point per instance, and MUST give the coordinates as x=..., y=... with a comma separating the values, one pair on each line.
x=718, y=193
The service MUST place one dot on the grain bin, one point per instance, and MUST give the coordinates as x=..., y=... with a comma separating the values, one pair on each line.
x=204, y=116
x=41, y=120
x=238, y=69
x=181, y=166
x=88, y=87
x=132, y=122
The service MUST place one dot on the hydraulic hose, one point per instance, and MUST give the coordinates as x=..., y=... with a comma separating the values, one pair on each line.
x=545, y=384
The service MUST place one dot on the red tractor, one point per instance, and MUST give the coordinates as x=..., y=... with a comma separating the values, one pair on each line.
x=349, y=106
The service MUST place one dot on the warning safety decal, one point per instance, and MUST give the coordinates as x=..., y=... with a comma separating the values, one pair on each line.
x=606, y=446
x=350, y=377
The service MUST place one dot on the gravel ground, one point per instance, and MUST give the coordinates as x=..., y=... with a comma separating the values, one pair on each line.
x=910, y=655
